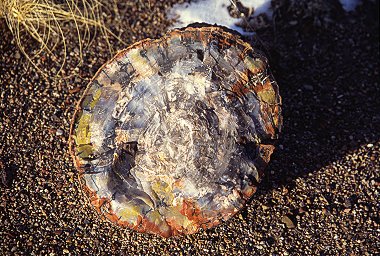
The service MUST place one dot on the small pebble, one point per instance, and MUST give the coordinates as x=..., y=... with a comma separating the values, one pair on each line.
x=59, y=132
x=288, y=222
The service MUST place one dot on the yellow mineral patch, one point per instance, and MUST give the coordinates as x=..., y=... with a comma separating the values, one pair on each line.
x=154, y=217
x=95, y=98
x=174, y=217
x=162, y=156
x=255, y=66
x=82, y=132
x=85, y=151
x=141, y=64
x=163, y=191
x=86, y=100
x=267, y=94
x=130, y=213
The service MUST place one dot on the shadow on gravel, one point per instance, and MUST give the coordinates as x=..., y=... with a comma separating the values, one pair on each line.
x=8, y=172
x=326, y=64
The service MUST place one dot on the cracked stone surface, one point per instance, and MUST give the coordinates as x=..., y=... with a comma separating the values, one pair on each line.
x=173, y=134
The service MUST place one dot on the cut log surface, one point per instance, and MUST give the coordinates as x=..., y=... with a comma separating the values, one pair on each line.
x=172, y=135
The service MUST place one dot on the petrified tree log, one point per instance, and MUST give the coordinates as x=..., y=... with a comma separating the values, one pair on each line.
x=173, y=134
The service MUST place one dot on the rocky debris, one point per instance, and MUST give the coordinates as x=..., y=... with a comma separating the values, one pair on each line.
x=288, y=222
x=59, y=132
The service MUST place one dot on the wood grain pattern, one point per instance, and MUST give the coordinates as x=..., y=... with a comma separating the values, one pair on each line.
x=173, y=134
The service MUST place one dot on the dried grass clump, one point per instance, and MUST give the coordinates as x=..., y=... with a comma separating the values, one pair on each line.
x=50, y=22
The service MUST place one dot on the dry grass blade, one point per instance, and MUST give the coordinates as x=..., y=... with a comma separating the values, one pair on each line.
x=49, y=22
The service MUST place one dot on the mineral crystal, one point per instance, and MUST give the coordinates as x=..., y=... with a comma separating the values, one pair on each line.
x=172, y=135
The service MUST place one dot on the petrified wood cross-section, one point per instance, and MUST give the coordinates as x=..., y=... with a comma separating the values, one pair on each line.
x=173, y=134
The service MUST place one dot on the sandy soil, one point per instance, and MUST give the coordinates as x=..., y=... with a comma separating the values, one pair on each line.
x=320, y=195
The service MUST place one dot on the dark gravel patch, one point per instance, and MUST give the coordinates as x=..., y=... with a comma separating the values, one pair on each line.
x=320, y=195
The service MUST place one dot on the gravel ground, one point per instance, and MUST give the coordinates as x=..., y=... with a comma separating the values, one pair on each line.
x=320, y=195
